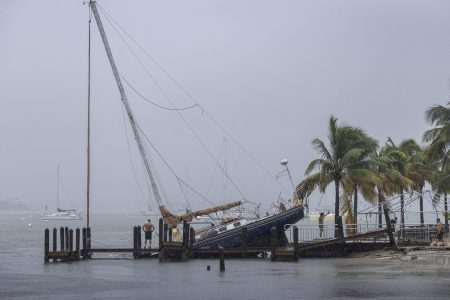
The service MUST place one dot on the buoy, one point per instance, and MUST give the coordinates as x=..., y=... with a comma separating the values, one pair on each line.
x=208, y=268
x=29, y=225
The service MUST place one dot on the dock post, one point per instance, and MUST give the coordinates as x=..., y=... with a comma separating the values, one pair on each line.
x=61, y=238
x=71, y=244
x=191, y=240
x=185, y=234
x=46, y=244
x=84, y=253
x=296, y=241
x=88, y=242
x=135, y=243
x=160, y=233
x=222, y=261
x=244, y=237
x=55, y=232
x=66, y=237
x=77, y=244
x=139, y=241
x=273, y=242
x=166, y=230
x=170, y=234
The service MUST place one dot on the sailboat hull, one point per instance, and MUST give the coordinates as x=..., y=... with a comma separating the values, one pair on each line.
x=258, y=232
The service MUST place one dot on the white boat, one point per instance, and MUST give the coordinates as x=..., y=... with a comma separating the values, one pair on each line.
x=63, y=215
x=60, y=214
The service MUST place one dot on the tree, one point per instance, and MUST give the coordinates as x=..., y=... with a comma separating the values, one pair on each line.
x=346, y=146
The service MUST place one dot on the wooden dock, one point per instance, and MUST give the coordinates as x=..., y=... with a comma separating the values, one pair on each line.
x=74, y=249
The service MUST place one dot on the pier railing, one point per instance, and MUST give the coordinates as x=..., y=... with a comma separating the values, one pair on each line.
x=408, y=232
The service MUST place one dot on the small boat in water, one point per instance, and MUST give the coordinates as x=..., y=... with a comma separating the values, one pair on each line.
x=61, y=214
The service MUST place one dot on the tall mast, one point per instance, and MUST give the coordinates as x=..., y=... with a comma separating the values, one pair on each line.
x=137, y=136
x=57, y=188
x=88, y=169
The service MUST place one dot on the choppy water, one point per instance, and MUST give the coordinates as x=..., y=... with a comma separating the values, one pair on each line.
x=23, y=274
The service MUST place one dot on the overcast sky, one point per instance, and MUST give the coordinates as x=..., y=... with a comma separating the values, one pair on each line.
x=270, y=72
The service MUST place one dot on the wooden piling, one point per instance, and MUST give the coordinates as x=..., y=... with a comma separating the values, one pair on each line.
x=160, y=231
x=222, y=261
x=139, y=240
x=88, y=242
x=185, y=234
x=244, y=238
x=66, y=237
x=166, y=230
x=84, y=253
x=61, y=238
x=135, y=243
x=46, y=244
x=170, y=234
x=77, y=244
x=191, y=239
x=70, y=241
x=55, y=231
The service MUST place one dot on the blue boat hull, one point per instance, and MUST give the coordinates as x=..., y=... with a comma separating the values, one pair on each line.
x=258, y=232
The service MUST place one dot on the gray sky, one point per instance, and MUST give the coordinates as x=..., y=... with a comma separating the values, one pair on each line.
x=271, y=72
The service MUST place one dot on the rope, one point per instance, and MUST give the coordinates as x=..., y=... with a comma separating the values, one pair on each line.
x=157, y=105
x=108, y=17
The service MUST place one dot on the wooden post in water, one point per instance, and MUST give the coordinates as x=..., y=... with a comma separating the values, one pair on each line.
x=66, y=237
x=185, y=234
x=296, y=241
x=55, y=240
x=61, y=238
x=170, y=234
x=166, y=230
x=88, y=242
x=160, y=233
x=77, y=244
x=222, y=261
x=84, y=253
x=191, y=240
x=135, y=243
x=71, y=243
x=139, y=238
x=273, y=242
x=244, y=237
x=46, y=244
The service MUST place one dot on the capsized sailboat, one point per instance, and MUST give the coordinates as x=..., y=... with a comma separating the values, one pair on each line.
x=228, y=236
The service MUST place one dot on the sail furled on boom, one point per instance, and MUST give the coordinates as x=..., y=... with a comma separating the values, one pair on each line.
x=173, y=220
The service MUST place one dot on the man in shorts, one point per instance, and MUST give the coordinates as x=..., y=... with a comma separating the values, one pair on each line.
x=148, y=229
x=439, y=232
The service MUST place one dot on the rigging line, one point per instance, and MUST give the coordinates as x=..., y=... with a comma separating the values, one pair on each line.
x=214, y=172
x=171, y=170
x=184, y=194
x=131, y=157
x=192, y=99
x=168, y=99
x=157, y=105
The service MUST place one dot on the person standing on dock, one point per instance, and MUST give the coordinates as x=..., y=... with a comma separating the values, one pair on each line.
x=321, y=219
x=148, y=229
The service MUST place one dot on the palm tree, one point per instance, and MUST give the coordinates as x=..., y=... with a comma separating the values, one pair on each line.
x=439, y=148
x=346, y=145
x=399, y=157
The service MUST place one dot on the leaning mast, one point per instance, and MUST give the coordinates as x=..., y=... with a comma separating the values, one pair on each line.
x=137, y=136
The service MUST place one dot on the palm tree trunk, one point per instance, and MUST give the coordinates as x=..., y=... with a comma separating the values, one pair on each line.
x=355, y=208
x=336, y=208
x=446, y=211
x=380, y=209
x=402, y=208
x=421, y=206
